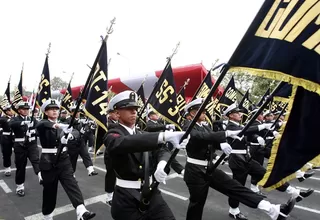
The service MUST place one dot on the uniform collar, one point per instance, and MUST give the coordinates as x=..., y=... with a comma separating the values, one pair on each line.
x=234, y=122
x=130, y=130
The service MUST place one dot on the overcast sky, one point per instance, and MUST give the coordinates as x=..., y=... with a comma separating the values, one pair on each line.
x=145, y=33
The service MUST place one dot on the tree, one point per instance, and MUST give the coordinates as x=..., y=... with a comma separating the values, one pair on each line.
x=256, y=85
x=57, y=83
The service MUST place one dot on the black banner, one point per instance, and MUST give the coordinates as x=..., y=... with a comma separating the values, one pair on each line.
x=44, y=91
x=164, y=100
x=67, y=101
x=97, y=99
x=282, y=43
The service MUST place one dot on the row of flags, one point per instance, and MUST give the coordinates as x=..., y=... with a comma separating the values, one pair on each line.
x=277, y=46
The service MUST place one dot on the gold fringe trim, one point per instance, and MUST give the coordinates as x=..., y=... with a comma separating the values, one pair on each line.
x=271, y=74
x=275, y=147
x=281, y=99
x=100, y=124
x=166, y=119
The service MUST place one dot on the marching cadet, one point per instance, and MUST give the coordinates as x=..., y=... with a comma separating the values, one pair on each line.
x=136, y=155
x=25, y=144
x=6, y=140
x=154, y=126
x=110, y=177
x=53, y=169
x=199, y=175
x=242, y=164
x=63, y=116
x=76, y=145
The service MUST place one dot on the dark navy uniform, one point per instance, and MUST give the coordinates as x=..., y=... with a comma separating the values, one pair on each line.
x=199, y=176
x=126, y=152
x=6, y=142
x=53, y=171
x=135, y=156
x=76, y=146
x=25, y=146
x=110, y=177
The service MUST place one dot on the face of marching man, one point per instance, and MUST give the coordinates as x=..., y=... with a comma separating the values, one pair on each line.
x=127, y=116
x=52, y=113
x=235, y=116
x=202, y=117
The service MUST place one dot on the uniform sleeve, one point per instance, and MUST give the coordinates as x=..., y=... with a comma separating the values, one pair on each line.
x=152, y=127
x=15, y=123
x=117, y=143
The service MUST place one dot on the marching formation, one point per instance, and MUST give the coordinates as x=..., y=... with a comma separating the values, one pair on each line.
x=141, y=136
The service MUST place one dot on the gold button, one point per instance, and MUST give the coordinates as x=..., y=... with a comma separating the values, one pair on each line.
x=140, y=167
x=139, y=179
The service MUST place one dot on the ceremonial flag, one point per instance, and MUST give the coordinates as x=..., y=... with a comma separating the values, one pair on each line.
x=18, y=93
x=282, y=44
x=228, y=97
x=67, y=102
x=202, y=92
x=244, y=105
x=142, y=101
x=164, y=99
x=44, y=91
x=6, y=98
x=181, y=102
x=96, y=105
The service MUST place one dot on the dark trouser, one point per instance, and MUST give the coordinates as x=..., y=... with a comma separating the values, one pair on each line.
x=125, y=205
x=51, y=177
x=198, y=183
x=257, y=153
x=89, y=138
x=6, y=149
x=176, y=166
x=110, y=178
x=21, y=153
x=241, y=167
x=74, y=151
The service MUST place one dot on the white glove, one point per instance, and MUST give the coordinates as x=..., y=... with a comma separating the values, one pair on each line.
x=67, y=130
x=226, y=148
x=82, y=131
x=64, y=140
x=232, y=134
x=265, y=126
x=275, y=134
x=261, y=141
x=171, y=136
x=40, y=178
x=30, y=124
x=28, y=134
x=62, y=126
x=25, y=122
x=170, y=127
x=160, y=175
x=84, y=121
x=184, y=143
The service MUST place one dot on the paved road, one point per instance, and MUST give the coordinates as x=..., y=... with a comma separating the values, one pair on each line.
x=175, y=193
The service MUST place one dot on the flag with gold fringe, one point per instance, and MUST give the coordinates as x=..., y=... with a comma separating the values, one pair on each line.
x=96, y=105
x=164, y=100
x=282, y=43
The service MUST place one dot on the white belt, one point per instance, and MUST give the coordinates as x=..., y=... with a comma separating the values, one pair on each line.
x=6, y=133
x=269, y=138
x=52, y=150
x=254, y=144
x=239, y=151
x=197, y=162
x=130, y=184
x=23, y=139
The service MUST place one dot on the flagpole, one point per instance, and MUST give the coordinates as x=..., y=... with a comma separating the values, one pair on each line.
x=174, y=52
x=184, y=86
x=89, y=79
